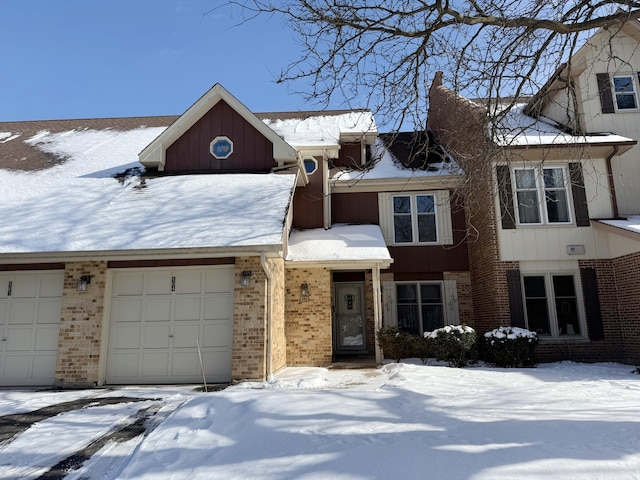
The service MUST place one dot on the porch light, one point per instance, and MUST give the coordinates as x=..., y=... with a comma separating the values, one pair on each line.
x=83, y=281
x=245, y=278
x=304, y=292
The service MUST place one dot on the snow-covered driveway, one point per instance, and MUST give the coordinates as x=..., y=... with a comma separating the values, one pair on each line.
x=409, y=421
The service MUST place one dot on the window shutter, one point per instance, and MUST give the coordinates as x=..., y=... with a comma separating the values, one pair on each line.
x=389, y=317
x=579, y=195
x=505, y=194
x=451, y=302
x=592, y=303
x=386, y=217
x=604, y=89
x=514, y=287
x=443, y=208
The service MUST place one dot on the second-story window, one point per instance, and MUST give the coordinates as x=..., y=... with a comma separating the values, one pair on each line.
x=534, y=184
x=414, y=219
x=625, y=92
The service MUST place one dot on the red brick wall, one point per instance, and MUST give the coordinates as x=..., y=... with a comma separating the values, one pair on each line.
x=627, y=271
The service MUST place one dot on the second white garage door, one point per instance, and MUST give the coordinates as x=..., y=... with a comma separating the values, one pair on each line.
x=163, y=321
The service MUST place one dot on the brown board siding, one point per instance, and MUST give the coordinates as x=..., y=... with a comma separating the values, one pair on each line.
x=350, y=155
x=359, y=208
x=308, y=204
x=183, y=262
x=31, y=266
x=414, y=259
x=251, y=150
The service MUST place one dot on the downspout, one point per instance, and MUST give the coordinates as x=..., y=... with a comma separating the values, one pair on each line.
x=612, y=187
x=326, y=192
x=263, y=262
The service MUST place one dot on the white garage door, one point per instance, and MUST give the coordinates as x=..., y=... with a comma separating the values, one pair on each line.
x=30, y=306
x=163, y=321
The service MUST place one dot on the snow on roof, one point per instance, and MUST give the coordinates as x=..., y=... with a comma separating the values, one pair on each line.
x=322, y=130
x=339, y=243
x=631, y=223
x=78, y=205
x=388, y=166
x=519, y=129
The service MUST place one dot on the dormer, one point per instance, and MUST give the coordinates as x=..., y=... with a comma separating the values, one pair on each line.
x=218, y=134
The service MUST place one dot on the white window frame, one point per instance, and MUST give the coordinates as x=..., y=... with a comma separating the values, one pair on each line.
x=541, y=194
x=442, y=211
x=633, y=92
x=448, y=293
x=554, y=329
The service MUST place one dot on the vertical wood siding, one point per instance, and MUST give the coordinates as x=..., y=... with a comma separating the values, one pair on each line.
x=251, y=150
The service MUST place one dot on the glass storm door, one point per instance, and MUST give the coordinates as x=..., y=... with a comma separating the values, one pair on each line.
x=349, y=321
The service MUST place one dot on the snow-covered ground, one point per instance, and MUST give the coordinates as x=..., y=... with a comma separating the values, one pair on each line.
x=406, y=420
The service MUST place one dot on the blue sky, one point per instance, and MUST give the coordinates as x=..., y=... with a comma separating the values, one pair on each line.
x=87, y=58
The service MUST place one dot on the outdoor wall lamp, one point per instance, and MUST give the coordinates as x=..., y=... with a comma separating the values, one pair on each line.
x=83, y=281
x=304, y=292
x=245, y=278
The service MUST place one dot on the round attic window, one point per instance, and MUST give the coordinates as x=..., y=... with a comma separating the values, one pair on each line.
x=310, y=165
x=221, y=148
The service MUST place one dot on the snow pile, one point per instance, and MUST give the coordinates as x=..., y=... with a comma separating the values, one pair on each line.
x=450, y=329
x=511, y=333
x=322, y=130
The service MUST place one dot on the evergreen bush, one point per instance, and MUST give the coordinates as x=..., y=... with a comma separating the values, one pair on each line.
x=455, y=344
x=395, y=344
x=510, y=347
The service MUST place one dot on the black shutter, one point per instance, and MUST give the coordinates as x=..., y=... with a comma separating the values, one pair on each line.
x=505, y=193
x=592, y=303
x=604, y=89
x=514, y=287
x=579, y=195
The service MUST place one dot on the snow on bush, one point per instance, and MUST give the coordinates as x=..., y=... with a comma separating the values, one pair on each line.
x=510, y=347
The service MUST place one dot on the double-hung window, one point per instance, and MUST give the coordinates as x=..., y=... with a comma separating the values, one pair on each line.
x=420, y=307
x=551, y=304
x=541, y=195
x=414, y=219
x=625, y=92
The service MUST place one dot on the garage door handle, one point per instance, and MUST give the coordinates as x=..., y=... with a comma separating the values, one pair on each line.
x=170, y=336
x=3, y=340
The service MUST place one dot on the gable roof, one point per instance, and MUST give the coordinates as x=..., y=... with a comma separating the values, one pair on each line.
x=153, y=155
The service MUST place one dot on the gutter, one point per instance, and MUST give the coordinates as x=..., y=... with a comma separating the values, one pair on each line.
x=269, y=334
x=612, y=187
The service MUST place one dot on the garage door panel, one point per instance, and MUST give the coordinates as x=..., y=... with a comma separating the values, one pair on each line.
x=126, y=364
x=19, y=339
x=4, y=286
x=187, y=336
x=129, y=283
x=156, y=336
x=51, y=286
x=216, y=334
x=22, y=312
x=17, y=367
x=44, y=366
x=127, y=310
x=216, y=283
x=25, y=286
x=217, y=365
x=218, y=307
x=155, y=364
x=188, y=308
x=126, y=337
x=158, y=309
x=158, y=283
x=188, y=282
x=49, y=312
x=46, y=340
x=186, y=363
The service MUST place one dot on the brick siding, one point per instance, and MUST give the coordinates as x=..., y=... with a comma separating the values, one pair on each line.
x=79, y=340
x=627, y=272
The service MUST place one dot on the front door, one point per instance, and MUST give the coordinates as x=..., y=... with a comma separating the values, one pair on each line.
x=349, y=319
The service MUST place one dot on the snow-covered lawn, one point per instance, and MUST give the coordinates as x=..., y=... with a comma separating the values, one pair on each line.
x=405, y=421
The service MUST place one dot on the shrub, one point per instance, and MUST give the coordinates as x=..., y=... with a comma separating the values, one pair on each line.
x=510, y=347
x=419, y=348
x=395, y=344
x=455, y=344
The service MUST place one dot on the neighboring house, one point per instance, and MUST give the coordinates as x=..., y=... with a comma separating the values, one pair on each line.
x=218, y=245
x=554, y=199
